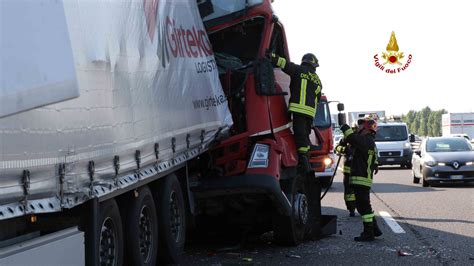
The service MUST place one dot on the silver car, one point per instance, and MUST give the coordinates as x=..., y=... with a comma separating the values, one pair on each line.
x=443, y=159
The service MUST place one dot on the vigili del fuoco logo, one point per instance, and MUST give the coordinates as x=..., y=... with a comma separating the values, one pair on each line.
x=392, y=61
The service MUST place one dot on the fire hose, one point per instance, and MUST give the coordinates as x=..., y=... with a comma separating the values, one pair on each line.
x=333, y=175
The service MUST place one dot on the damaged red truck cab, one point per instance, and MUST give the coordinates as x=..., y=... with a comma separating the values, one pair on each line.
x=253, y=182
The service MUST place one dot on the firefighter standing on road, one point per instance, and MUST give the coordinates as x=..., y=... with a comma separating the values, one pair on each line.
x=362, y=169
x=344, y=149
x=305, y=89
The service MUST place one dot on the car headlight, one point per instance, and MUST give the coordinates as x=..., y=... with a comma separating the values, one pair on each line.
x=442, y=164
x=407, y=145
x=431, y=163
x=469, y=163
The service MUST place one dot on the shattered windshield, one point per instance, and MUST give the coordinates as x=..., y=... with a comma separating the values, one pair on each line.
x=212, y=9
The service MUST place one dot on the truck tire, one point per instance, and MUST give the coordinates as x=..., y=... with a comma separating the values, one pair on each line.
x=110, y=234
x=169, y=201
x=291, y=230
x=141, y=228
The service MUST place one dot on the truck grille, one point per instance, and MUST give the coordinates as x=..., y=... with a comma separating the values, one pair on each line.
x=390, y=153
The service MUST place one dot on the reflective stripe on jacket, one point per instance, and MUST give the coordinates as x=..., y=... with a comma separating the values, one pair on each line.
x=364, y=157
x=305, y=86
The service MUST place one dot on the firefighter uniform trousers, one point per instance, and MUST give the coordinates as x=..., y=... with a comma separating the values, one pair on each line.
x=349, y=195
x=302, y=129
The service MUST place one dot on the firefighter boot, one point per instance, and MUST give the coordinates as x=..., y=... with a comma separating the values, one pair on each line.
x=367, y=235
x=303, y=163
x=351, y=208
x=377, y=231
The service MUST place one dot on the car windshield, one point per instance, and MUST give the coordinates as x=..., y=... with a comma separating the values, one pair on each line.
x=323, y=116
x=448, y=145
x=213, y=9
x=391, y=133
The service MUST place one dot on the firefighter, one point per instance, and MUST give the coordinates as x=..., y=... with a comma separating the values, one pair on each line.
x=305, y=89
x=362, y=170
x=343, y=149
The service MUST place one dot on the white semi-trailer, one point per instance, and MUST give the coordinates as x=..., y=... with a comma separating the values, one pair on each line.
x=458, y=124
x=102, y=103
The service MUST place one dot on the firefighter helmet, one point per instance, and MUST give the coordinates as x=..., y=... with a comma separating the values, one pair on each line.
x=310, y=59
x=370, y=124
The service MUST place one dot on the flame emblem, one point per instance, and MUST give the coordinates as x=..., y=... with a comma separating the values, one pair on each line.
x=392, y=56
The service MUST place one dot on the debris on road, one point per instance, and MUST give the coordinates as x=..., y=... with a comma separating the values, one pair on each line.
x=404, y=253
x=293, y=256
x=211, y=254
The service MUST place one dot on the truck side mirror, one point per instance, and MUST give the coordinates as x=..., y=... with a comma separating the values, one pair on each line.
x=340, y=107
x=341, y=118
x=412, y=138
x=265, y=78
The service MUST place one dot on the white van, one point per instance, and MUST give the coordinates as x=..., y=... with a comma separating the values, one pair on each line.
x=393, y=144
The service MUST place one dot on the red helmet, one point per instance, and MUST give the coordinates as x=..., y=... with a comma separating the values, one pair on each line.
x=370, y=124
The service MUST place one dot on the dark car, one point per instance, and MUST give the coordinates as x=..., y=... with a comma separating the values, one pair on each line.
x=443, y=159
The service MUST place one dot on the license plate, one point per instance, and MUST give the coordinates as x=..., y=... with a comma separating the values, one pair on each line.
x=390, y=159
x=456, y=177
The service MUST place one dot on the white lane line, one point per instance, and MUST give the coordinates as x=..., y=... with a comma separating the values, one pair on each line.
x=396, y=228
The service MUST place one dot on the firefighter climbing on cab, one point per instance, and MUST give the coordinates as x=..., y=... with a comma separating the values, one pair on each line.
x=305, y=89
x=362, y=170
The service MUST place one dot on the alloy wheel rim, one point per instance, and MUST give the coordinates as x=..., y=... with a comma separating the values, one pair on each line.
x=146, y=234
x=108, y=243
x=175, y=217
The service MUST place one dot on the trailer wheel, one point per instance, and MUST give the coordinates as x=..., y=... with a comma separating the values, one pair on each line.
x=290, y=230
x=141, y=228
x=172, y=219
x=110, y=234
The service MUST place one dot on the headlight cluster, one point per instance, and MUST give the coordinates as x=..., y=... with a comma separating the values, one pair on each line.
x=431, y=163
x=469, y=163
x=327, y=162
x=407, y=145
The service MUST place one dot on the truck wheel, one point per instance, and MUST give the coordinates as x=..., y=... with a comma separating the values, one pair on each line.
x=110, y=234
x=290, y=230
x=172, y=219
x=141, y=228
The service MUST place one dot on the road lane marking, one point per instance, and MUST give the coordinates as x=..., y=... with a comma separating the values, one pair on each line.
x=396, y=228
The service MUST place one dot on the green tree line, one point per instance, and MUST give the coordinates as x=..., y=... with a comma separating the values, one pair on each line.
x=425, y=122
